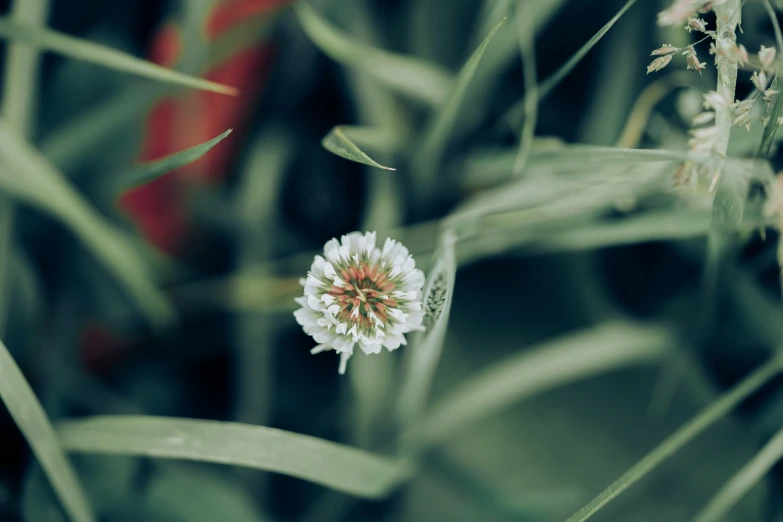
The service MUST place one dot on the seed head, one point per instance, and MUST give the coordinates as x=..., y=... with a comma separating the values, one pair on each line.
x=696, y=24
x=692, y=60
x=659, y=63
x=665, y=49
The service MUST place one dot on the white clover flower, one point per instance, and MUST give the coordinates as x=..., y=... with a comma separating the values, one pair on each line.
x=359, y=293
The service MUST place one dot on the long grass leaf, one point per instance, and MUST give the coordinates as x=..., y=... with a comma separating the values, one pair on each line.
x=333, y=465
x=423, y=360
x=406, y=75
x=339, y=142
x=742, y=481
x=87, y=51
x=20, y=89
x=29, y=176
x=28, y=414
x=146, y=172
x=440, y=127
x=515, y=115
x=715, y=411
x=541, y=368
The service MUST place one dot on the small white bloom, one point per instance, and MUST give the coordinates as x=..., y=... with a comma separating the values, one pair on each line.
x=715, y=100
x=372, y=296
x=704, y=118
x=767, y=56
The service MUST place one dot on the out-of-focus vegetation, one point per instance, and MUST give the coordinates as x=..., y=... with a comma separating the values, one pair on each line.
x=604, y=302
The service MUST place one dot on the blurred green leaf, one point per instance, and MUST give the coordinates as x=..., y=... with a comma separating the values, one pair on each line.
x=196, y=495
x=554, y=363
x=436, y=137
x=715, y=411
x=29, y=176
x=340, y=467
x=422, y=361
x=32, y=421
x=79, y=49
x=409, y=76
x=146, y=172
x=743, y=481
x=340, y=141
x=516, y=114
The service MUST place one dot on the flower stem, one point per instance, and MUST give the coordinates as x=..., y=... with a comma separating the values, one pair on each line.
x=728, y=15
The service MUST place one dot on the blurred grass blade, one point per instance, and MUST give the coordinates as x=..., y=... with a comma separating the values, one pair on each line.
x=28, y=414
x=715, y=411
x=406, y=75
x=87, y=51
x=423, y=360
x=554, y=363
x=146, y=172
x=196, y=495
x=340, y=467
x=30, y=177
x=19, y=108
x=339, y=142
x=742, y=481
x=516, y=114
x=441, y=125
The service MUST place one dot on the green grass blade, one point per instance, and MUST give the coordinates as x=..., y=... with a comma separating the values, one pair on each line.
x=20, y=90
x=84, y=50
x=195, y=495
x=337, y=466
x=339, y=142
x=578, y=355
x=528, y=52
x=742, y=481
x=412, y=77
x=423, y=360
x=715, y=411
x=768, y=136
x=147, y=172
x=29, y=176
x=440, y=128
x=28, y=414
x=516, y=114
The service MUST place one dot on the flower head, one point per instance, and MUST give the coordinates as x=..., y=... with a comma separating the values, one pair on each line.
x=361, y=294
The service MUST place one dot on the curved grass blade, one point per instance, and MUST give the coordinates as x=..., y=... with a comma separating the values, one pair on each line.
x=340, y=467
x=26, y=174
x=147, y=172
x=552, y=364
x=87, y=51
x=422, y=361
x=28, y=414
x=706, y=418
x=409, y=76
x=20, y=90
x=338, y=142
x=437, y=135
x=742, y=481
x=516, y=114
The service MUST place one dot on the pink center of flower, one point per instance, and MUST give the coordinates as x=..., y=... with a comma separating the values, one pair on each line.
x=364, y=295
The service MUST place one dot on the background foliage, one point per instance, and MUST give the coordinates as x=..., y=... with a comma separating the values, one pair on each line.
x=169, y=169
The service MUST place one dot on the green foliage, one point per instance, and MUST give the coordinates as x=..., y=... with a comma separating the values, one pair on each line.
x=334, y=465
x=28, y=414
